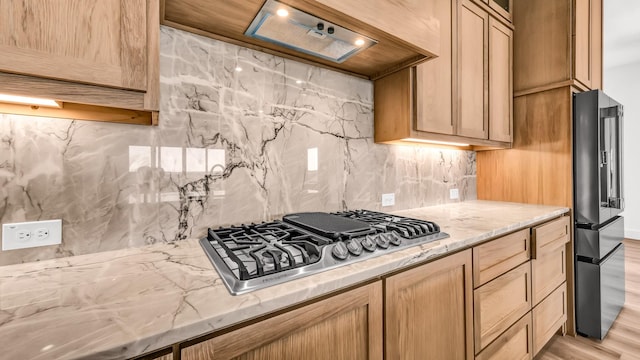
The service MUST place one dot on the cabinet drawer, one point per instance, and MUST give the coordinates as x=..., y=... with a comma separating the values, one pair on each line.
x=496, y=257
x=499, y=303
x=548, y=317
x=547, y=237
x=548, y=271
x=515, y=344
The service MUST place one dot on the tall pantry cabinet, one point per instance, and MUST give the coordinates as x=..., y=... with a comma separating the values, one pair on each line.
x=557, y=51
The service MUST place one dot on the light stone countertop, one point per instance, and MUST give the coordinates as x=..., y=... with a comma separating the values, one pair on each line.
x=123, y=303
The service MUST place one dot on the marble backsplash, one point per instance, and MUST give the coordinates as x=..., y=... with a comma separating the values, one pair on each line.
x=243, y=137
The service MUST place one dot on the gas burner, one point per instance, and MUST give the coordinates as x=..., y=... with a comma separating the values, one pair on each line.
x=250, y=257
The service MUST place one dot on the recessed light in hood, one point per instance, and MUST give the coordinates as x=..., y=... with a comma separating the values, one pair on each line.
x=283, y=25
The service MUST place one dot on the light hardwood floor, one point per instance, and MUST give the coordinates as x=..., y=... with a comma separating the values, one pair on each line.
x=623, y=339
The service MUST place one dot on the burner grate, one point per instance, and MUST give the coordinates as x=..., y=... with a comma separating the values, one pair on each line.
x=405, y=227
x=251, y=251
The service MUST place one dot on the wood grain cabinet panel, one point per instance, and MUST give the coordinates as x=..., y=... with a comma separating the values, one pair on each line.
x=346, y=326
x=499, y=303
x=498, y=256
x=548, y=271
x=568, y=33
x=434, y=78
x=550, y=235
x=548, y=317
x=94, y=42
x=473, y=71
x=503, y=7
x=514, y=344
x=500, y=81
x=100, y=58
x=410, y=20
x=429, y=311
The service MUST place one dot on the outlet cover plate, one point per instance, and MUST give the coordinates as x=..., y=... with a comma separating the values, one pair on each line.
x=454, y=194
x=388, y=199
x=13, y=234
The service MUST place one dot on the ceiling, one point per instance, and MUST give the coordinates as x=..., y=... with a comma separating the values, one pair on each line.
x=621, y=32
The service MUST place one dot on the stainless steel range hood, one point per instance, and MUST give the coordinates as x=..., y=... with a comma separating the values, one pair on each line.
x=286, y=26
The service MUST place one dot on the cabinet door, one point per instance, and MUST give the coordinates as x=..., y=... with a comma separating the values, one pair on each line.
x=498, y=256
x=473, y=69
x=588, y=42
x=500, y=303
x=548, y=317
x=514, y=344
x=434, y=85
x=346, y=326
x=582, y=41
x=100, y=42
x=503, y=7
x=500, y=81
x=428, y=311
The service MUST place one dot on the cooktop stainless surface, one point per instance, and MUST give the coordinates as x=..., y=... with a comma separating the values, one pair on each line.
x=251, y=257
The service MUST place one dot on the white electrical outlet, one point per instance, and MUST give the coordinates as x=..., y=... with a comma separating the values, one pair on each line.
x=388, y=199
x=31, y=234
x=453, y=194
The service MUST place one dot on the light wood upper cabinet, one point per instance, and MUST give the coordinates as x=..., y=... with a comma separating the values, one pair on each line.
x=95, y=52
x=464, y=96
x=557, y=43
x=94, y=42
x=346, y=326
x=429, y=311
x=500, y=81
x=473, y=71
x=434, y=79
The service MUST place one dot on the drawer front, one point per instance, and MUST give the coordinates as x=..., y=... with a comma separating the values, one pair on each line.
x=499, y=303
x=548, y=271
x=547, y=237
x=498, y=256
x=515, y=344
x=548, y=317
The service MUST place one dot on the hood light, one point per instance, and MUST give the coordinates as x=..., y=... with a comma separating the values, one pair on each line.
x=282, y=12
x=359, y=42
x=26, y=100
x=436, y=142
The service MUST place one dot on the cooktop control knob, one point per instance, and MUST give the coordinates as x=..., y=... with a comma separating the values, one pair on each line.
x=394, y=239
x=382, y=241
x=340, y=251
x=369, y=243
x=354, y=247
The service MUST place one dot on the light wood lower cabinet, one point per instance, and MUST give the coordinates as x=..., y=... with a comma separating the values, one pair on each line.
x=346, y=326
x=549, y=316
x=515, y=344
x=548, y=272
x=498, y=256
x=499, y=303
x=429, y=311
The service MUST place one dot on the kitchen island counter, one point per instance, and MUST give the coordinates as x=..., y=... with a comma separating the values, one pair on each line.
x=124, y=303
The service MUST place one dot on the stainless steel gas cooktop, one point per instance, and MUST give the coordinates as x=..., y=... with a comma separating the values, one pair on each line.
x=255, y=256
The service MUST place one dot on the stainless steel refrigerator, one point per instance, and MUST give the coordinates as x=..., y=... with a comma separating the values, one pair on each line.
x=598, y=202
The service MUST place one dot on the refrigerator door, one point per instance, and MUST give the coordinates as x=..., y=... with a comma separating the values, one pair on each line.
x=599, y=293
x=598, y=188
x=596, y=244
x=611, y=158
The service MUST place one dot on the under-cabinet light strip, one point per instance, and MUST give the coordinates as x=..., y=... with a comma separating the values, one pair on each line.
x=435, y=142
x=26, y=100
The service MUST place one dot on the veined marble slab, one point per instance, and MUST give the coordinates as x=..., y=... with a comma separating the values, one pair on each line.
x=123, y=303
x=243, y=136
